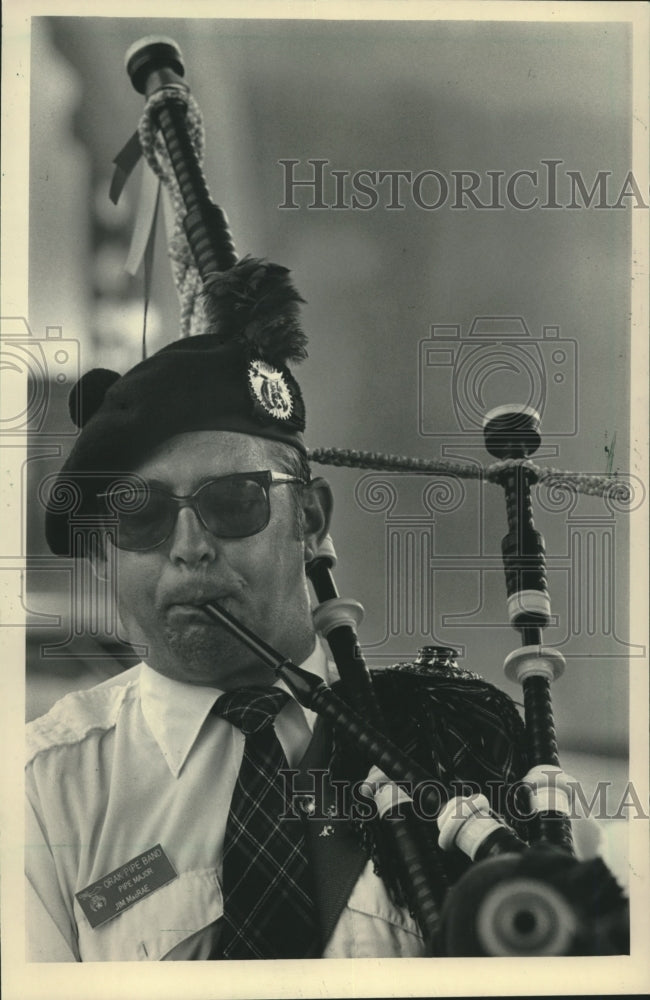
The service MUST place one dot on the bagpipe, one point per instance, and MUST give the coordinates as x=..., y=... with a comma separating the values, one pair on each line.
x=477, y=883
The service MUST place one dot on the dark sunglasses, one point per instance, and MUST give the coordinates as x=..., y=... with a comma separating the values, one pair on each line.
x=229, y=507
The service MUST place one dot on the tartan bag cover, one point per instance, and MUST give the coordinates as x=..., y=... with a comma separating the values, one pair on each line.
x=269, y=910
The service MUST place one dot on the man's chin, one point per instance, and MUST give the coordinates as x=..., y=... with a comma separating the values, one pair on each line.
x=205, y=655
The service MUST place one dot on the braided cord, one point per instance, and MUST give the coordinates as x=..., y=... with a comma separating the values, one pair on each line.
x=186, y=274
x=581, y=482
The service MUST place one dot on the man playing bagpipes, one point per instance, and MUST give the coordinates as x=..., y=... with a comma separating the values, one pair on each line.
x=195, y=807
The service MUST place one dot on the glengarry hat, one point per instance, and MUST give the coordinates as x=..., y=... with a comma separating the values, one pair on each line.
x=233, y=377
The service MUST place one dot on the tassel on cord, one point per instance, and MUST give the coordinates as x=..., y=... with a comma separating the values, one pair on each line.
x=185, y=272
x=254, y=301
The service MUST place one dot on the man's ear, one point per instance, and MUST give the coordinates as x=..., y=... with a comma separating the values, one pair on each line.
x=317, y=505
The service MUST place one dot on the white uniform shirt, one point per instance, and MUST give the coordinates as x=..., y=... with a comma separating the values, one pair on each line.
x=139, y=761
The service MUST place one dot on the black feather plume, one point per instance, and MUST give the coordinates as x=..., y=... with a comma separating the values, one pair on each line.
x=256, y=304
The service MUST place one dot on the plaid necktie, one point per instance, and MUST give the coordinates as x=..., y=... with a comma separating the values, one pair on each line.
x=268, y=906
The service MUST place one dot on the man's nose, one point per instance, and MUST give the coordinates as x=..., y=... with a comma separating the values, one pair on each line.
x=191, y=542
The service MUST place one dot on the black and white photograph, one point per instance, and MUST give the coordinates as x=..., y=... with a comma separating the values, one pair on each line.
x=324, y=558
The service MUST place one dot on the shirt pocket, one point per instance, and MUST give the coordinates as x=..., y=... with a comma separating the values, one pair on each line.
x=371, y=926
x=156, y=924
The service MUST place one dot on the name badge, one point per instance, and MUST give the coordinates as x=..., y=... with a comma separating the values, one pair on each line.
x=128, y=884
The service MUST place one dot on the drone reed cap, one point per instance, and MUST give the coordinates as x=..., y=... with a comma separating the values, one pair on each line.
x=512, y=431
x=152, y=54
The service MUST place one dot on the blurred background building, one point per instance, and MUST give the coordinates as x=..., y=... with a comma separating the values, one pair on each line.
x=420, y=318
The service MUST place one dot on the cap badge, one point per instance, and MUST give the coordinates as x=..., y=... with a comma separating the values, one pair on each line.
x=270, y=389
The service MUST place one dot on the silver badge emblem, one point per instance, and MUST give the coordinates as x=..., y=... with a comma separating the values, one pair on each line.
x=270, y=389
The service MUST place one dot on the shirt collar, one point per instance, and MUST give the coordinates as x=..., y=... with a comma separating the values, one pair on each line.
x=175, y=712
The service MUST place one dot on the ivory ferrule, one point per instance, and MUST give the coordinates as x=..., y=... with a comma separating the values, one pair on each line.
x=465, y=822
x=527, y=602
x=550, y=789
x=534, y=661
x=337, y=611
x=386, y=793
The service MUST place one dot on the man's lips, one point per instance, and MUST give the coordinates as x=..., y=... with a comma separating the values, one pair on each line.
x=188, y=605
x=189, y=612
